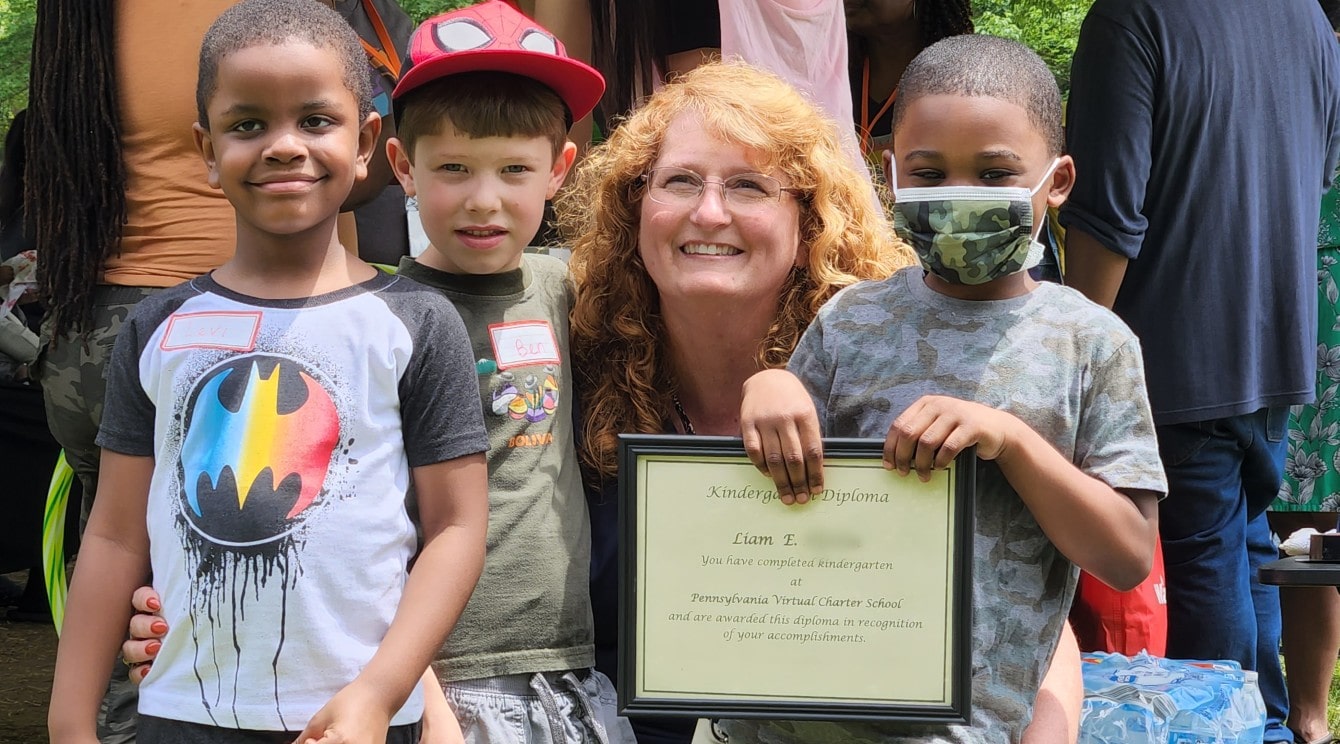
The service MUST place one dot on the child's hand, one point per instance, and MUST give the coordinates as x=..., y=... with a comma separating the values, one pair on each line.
x=936, y=428
x=354, y=716
x=147, y=631
x=781, y=434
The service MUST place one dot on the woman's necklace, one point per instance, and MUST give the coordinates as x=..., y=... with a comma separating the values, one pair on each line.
x=683, y=417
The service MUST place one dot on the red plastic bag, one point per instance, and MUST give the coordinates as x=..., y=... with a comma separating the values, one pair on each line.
x=1105, y=619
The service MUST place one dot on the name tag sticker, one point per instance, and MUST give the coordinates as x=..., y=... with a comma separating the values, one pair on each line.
x=213, y=330
x=524, y=343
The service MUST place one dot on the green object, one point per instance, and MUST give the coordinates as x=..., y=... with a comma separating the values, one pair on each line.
x=53, y=539
x=1312, y=462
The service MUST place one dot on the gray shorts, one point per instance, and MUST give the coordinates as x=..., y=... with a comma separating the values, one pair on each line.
x=548, y=708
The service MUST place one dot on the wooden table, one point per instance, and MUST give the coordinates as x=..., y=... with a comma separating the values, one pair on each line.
x=1299, y=571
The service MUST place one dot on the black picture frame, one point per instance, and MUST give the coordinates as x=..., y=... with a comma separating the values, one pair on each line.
x=705, y=701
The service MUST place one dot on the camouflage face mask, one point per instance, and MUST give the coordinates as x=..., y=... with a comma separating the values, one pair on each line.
x=969, y=234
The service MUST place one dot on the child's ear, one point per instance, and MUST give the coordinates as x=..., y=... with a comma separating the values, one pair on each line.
x=205, y=145
x=562, y=164
x=401, y=166
x=1063, y=180
x=368, y=135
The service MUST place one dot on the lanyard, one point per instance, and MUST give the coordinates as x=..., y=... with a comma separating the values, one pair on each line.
x=866, y=121
x=385, y=59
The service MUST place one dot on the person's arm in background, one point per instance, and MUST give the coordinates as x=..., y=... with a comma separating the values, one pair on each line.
x=1057, y=708
x=1092, y=268
x=1109, y=124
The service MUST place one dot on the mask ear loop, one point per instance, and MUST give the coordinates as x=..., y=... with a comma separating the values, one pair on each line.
x=1051, y=169
x=1037, y=229
x=1036, y=248
x=892, y=169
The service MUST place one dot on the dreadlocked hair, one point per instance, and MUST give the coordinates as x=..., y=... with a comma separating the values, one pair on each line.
x=940, y=19
x=619, y=339
x=75, y=190
x=11, y=170
x=622, y=48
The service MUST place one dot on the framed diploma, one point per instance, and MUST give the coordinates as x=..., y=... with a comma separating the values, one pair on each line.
x=854, y=606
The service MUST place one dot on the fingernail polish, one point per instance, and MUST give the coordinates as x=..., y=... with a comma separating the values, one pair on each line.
x=158, y=627
x=153, y=604
x=152, y=648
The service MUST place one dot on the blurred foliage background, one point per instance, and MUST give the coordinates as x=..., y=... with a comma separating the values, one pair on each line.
x=1048, y=26
x=16, y=41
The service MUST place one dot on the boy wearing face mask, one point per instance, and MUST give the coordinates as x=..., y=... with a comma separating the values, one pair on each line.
x=968, y=350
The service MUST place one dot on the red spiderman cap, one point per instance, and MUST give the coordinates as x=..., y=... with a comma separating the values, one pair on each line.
x=496, y=37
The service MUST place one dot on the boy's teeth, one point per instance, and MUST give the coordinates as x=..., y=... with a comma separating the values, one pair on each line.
x=704, y=249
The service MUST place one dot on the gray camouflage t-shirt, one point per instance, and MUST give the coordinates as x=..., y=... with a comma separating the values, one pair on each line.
x=1065, y=366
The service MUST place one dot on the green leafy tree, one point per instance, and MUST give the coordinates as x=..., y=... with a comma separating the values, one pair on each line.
x=421, y=9
x=1049, y=27
x=17, y=18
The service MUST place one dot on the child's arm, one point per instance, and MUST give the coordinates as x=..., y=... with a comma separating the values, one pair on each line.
x=781, y=433
x=113, y=560
x=439, y=721
x=1108, y=533
x=453, y=510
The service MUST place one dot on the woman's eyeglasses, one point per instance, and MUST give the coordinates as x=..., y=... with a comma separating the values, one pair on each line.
x=680, y=187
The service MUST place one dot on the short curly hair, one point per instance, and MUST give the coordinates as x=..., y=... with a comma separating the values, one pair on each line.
x=273, y=22
x=981, y=65
x=617, y=332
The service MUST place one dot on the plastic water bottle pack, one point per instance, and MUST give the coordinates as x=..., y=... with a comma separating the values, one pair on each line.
x=1146, y=699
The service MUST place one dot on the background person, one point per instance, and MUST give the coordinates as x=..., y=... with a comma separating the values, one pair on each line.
x=884, y=36
x=1310, y=493
x=1177, y=118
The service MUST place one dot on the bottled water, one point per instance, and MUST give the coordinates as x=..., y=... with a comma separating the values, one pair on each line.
x=1149, y=700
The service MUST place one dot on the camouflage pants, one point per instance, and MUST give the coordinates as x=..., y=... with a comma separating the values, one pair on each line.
x=71, y=370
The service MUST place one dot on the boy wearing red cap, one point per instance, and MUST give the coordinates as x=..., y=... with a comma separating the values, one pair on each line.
x=483, y=112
